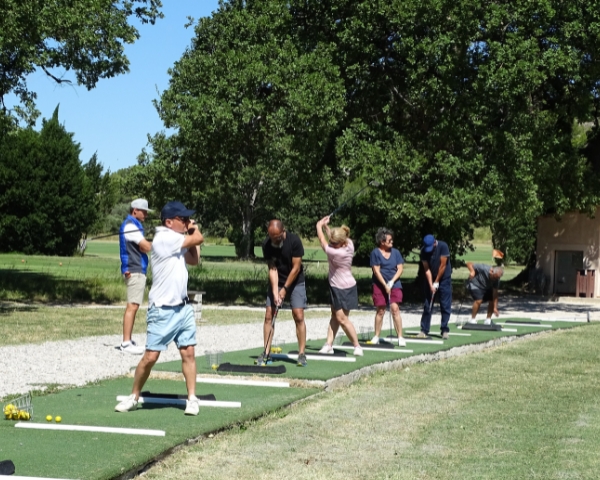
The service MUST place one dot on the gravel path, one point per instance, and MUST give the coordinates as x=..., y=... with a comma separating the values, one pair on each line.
x=77, y=362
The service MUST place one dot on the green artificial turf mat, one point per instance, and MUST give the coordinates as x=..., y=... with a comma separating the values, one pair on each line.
x=68, y=454
x=325, y=370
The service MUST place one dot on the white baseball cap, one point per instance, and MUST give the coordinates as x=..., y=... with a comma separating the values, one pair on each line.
x=141, y=204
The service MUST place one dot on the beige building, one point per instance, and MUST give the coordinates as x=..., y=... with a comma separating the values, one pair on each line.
x=565, y=247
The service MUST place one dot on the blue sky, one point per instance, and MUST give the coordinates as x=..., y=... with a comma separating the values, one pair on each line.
x=114, y=118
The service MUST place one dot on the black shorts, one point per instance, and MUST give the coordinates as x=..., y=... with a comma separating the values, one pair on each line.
x=344, y=298
x=483, y=295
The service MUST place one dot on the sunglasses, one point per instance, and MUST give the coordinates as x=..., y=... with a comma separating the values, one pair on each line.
x=183, y=219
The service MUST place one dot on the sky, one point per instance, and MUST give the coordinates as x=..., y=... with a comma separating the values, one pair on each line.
x=114, y=119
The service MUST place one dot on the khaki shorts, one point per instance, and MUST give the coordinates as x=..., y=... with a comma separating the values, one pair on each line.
x=136, y=284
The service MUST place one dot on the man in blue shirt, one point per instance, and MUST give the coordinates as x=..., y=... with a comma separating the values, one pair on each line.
x=134, y=263
x=435, y=258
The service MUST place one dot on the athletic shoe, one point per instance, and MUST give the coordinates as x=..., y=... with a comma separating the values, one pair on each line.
x=263, y=360
x=127, y=405
x=374, y=340
x=488, y=321
x=472, y=320
x=445, y=335
x=422, y=335
x=358, y=351
x=327, y=349
x=132, y=348
x=301, y=360
x=401, y=342
x=192, y=407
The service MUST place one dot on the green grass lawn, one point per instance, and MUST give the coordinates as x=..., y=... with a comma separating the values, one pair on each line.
x=96, y=278
x=524, y=410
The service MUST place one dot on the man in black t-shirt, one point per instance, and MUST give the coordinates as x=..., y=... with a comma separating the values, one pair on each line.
x=283, y=252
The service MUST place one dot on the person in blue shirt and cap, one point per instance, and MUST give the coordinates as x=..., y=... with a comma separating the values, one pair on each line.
x=435, y=258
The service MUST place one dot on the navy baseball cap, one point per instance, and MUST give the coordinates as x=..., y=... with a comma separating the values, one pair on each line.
x=428, y=243
x=175, y=209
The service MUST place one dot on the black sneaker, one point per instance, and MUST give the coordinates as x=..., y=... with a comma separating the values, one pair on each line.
x=302, y=360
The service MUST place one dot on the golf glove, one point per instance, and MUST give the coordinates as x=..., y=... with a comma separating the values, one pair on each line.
x=436, y=285
x=390, y=284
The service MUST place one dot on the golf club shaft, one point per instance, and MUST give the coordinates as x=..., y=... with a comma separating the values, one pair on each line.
x=272, y=332
x=432, y=299
x=390, y=312
x=353, y=197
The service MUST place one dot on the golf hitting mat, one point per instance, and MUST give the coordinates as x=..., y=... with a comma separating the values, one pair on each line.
x=482, y=327
x=267, y=369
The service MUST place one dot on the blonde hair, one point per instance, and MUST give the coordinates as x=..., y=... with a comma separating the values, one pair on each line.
x=340, y=234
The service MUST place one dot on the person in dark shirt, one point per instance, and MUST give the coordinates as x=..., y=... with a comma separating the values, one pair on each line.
x=283, y=252
x=483, y=285
x=435, y=258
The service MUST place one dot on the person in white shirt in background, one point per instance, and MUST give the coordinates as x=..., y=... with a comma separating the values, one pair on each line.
x=133, y=249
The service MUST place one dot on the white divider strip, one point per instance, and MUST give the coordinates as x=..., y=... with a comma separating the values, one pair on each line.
x=373, y=349
x=18, y=477
x=181, y=401
x=294, y=356
x=509, y=329
x=418, y=340
x=85, y=428
x=449, y=333
x=574, y=320
x=250, y=383
x=523, y=325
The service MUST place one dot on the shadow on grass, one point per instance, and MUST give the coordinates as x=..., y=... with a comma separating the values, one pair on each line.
x=35, y=286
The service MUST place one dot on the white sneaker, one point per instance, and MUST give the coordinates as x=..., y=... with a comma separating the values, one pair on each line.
x=401, y=342
x=131, y=348
x=375, y=340
x=127, y=405
x=358, y=351
x=472, y=320
x=488, y=321
x=327, y=349
x=192, y=407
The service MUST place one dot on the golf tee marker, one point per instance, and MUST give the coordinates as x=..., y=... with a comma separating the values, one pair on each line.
x=181, y=401
x=84, y=428
x=249, y=383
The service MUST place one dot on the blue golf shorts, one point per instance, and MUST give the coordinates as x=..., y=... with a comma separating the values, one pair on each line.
x=167, y=324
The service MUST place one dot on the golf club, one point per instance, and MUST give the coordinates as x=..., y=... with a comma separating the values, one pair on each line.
x=272, y=332
x=392, y=336
x=431, y=302
x=373, y=183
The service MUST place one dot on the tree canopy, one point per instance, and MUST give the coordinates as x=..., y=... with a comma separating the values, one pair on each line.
x=254, y=114
x=464, y=110
x=86, y=37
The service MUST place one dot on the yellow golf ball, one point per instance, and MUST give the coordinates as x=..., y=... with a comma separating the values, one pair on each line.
x=58, y=419
x=214, y=366
x=48, y=418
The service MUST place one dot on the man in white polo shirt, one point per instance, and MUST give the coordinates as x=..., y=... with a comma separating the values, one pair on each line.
x=170, y=317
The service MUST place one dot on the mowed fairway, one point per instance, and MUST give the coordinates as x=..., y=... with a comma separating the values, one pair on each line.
x=524, y=410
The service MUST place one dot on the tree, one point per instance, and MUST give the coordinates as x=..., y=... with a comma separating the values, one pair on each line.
x=105, y=191
x=466, y=108
x=86, y=36
x=255, y=115
x=46, y=199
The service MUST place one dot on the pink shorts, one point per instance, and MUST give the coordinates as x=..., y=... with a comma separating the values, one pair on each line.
x=380, y=298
